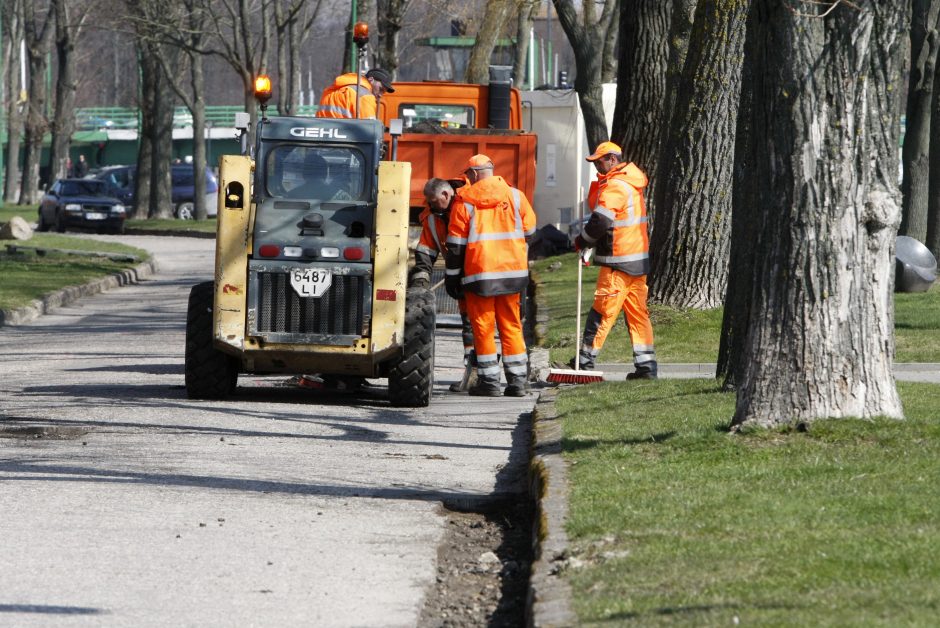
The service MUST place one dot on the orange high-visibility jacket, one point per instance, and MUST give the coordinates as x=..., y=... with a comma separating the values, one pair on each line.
x=617, y=226
x=339, y=99
x=486, y=241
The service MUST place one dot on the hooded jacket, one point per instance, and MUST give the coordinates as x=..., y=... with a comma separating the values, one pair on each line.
x=339, y=99
x=617, y=228
x=490, y=223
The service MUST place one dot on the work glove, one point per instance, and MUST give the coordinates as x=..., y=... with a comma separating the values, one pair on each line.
x=579, y=243
x=453, y=287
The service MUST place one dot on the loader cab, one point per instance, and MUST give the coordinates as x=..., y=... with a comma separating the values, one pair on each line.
x=315, y=189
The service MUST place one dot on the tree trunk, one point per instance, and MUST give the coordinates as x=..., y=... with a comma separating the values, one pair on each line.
x=494, y=17
x=925, y=43
x=13, y=31
x=933, y=201
x=199, y=133
x=161, y=184
x=819, y=338
x=692, y=233
x=641, y=81
x=586, y=36
x=145, y=133
x=391, y=19
x=63, y=124
x=38, y=32
x=611, y=47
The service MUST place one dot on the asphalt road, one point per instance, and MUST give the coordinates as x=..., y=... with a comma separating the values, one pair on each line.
x=124, y=503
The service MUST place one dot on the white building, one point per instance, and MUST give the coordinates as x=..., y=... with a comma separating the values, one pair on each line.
x=563, y=176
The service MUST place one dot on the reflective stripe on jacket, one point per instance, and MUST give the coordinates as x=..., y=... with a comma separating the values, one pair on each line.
x=617, y=228
x=432, y=241
x=486, y=241
x=339, y=99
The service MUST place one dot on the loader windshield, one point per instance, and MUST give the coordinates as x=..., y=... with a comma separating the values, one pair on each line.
x=319, y=173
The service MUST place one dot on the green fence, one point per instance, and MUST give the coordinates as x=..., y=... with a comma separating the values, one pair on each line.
x=106, y=118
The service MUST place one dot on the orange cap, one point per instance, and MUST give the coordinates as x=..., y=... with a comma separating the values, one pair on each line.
x=479, y=162
x=605, y=148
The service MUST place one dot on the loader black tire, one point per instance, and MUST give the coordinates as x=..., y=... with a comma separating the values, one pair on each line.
x=210, y=374
x=411, y=379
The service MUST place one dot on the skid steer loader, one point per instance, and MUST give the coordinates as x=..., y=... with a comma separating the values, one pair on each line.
x=311, y=266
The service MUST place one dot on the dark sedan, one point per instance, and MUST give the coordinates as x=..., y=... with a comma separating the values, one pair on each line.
x=82, y=203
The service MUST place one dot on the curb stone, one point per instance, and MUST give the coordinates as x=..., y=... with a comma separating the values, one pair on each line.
x=179, y=233
x=548, y=603
x=70, y=294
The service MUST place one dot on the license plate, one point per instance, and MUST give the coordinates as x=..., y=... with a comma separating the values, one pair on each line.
x=311, y=282
x=95, y=216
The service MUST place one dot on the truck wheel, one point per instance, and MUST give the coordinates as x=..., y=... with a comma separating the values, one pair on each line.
x=210, y=374
x=411, y=379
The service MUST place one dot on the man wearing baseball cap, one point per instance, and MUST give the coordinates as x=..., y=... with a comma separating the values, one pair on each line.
x=487, y=264
x=617, y=230
x=352, y=96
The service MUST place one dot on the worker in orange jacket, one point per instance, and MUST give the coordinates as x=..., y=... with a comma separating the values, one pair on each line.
x=487, y=263
x=617, y=230
x=440, y=195
x=352, y=96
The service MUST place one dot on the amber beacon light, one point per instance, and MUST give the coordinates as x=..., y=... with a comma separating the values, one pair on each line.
x=361, y=33
x=263, y=88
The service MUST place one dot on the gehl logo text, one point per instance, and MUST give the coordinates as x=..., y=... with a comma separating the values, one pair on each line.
x=299, y=131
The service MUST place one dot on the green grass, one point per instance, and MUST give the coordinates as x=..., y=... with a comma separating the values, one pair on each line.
x=693, y=335
x=676, y=521
x=27, y=276
x=26, y=212
x=171, y=224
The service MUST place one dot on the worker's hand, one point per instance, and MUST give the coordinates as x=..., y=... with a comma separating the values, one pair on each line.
x=453, y=287
x=585, y=255
x=578, y=243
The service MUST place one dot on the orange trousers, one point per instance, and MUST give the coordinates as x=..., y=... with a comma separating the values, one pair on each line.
x=617, y=291
x=487, y=314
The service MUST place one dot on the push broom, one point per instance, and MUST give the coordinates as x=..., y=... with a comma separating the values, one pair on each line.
x=576, y=375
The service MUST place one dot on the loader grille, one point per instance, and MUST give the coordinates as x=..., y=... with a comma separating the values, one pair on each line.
x=339, y=312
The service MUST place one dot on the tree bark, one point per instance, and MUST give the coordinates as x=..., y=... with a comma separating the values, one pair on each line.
x=611, y=46
x=68, y=31
x=586, y=34
x=915, y=186
x=495, y=15
x=161, y=184
x=38, y=31
x=391, y=19
x=933, y=200
x=641, y=81
x=142, y=176
x=13, y=31
x=819, y=340
x=692, y=194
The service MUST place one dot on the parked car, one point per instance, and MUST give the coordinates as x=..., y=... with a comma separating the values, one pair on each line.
x=120, y=181
x=83, y=203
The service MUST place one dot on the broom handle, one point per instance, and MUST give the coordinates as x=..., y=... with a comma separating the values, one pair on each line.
x=577, y=318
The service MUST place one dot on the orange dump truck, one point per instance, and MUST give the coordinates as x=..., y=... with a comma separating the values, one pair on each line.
x=447, y=123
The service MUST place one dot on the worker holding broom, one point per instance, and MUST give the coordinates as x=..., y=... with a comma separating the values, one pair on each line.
x=617, y=230
x=487, y=264
x=440, y=195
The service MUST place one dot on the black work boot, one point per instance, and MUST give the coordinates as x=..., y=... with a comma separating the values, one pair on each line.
x=642, y=373
x=486, y=386
x=586, y=363
x=517, y=386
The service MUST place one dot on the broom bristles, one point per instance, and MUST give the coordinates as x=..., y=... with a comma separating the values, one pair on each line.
x=571, y=376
